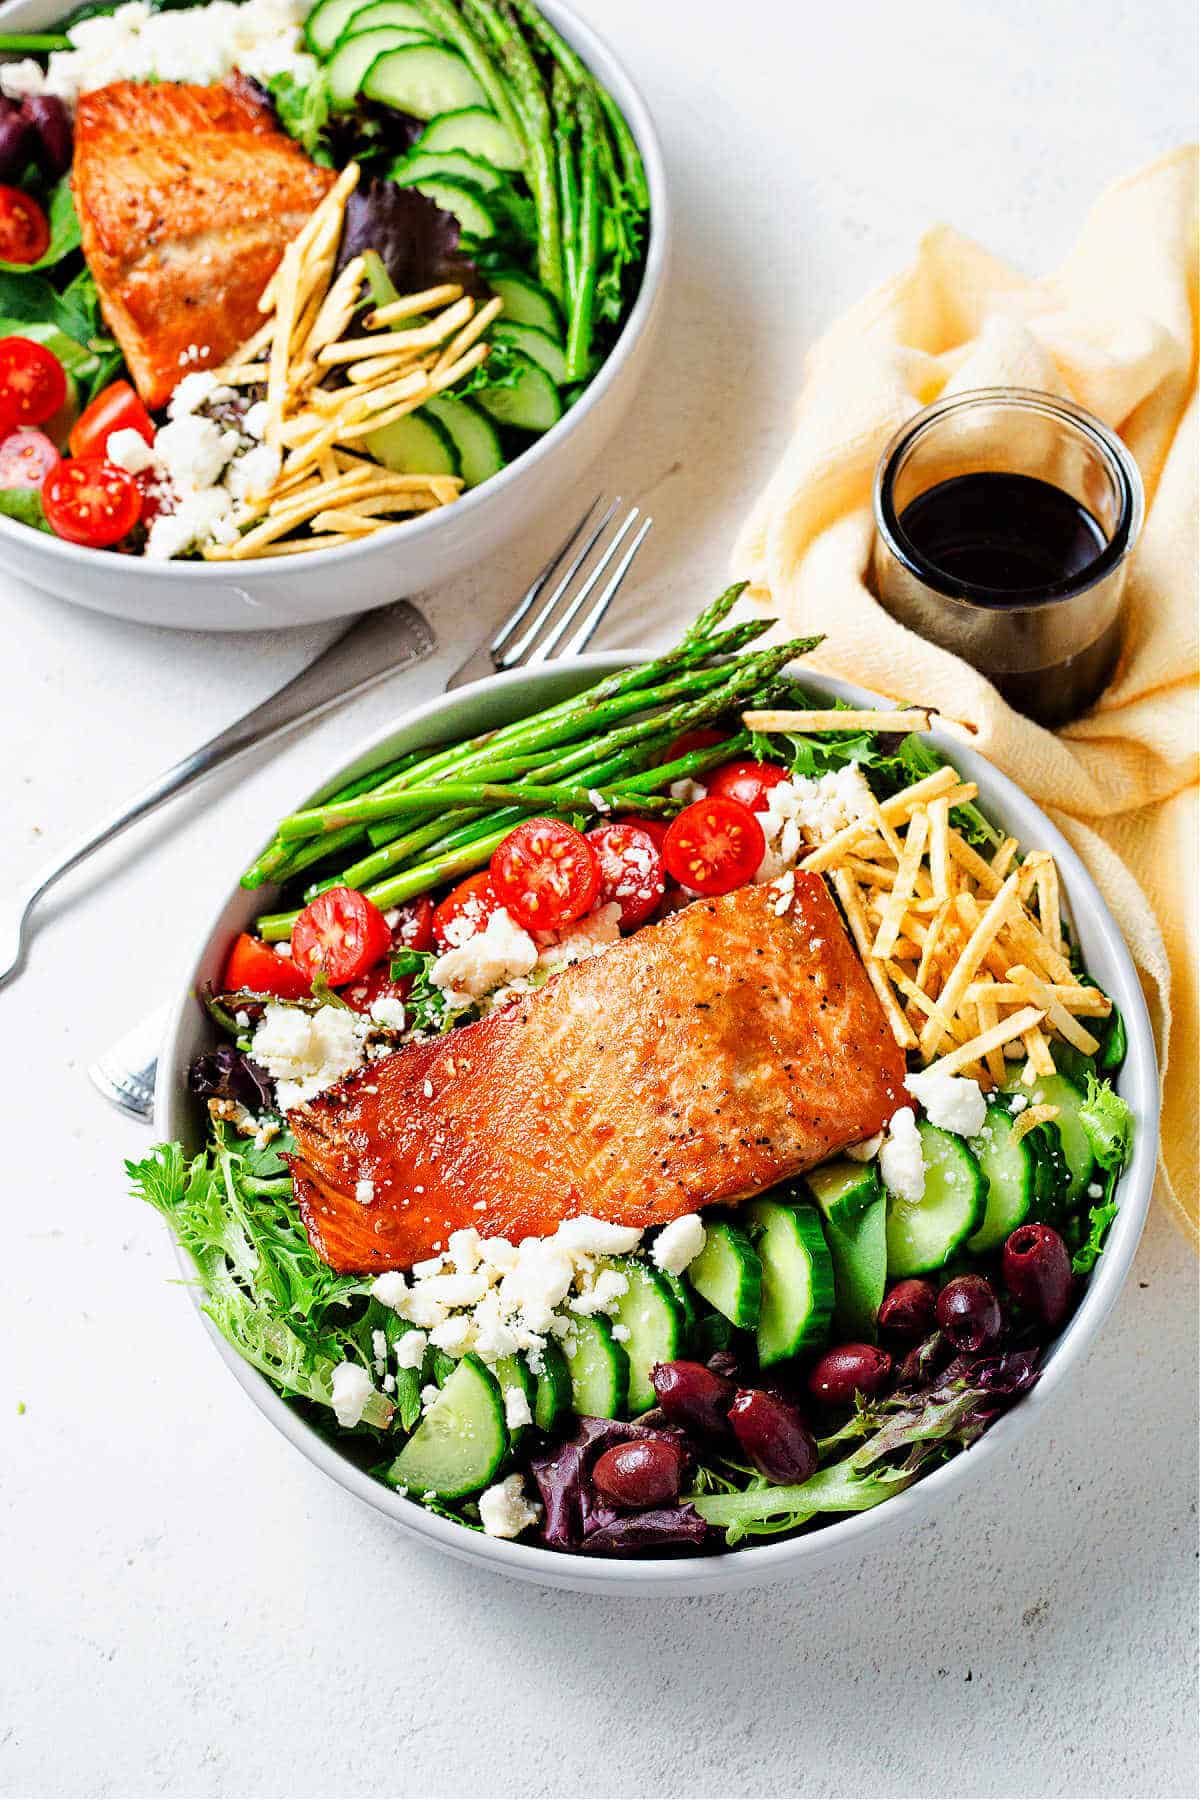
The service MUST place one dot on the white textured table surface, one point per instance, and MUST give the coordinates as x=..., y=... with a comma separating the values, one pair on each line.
x=186, y=1607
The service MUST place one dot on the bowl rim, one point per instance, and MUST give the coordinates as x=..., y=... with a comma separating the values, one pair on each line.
x=593, y=47
x=789, y=1557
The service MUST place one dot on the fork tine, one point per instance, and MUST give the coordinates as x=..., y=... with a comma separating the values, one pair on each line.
x=496, y=647
x=518, y=652
x=547, y=648
x=579, y=643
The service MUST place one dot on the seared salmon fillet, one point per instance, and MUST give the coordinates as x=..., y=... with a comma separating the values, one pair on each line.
x=702, y=1059
x=187, y=197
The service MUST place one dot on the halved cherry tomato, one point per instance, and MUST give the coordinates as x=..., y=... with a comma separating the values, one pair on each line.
x=413, y=930
x=26, y=458
x=24, y=227
x=631, y=870
x=703, y=737
x=33, y=383
x=339, y=935
x=473, y=901
x=90, y=502
x=115, y=408
x=714, y=846
x=256, y=966
x=749, y=782
x=545, y=874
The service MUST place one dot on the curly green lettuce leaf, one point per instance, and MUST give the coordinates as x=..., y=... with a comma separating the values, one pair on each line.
x=24, y=504
x=1108, y=1123
x=1100, y=1219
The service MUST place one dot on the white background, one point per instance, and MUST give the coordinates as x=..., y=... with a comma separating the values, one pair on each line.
x=186, y=1607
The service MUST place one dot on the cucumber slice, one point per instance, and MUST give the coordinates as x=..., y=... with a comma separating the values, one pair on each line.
x=797, y=1279
x=448, y=165
x=532, y=403
x=327, y=21
x=424, y=80
x=1051, y=1171
x=370, y=15
x=843, y=1189
x=477, y=131
x=537, y=345
x=728, y=1274
x=527, y=302
x=475, y=438
x=461, y=1441
x=655, y=1322
x=553, y=1399
x=599, y=1369
x=414, y=445
x=924, y=1234
x=1009, y=1169
x=353, y=57
x=858, y=1250
x=467, y=205
x=513, y=1372
x=1056, y=1090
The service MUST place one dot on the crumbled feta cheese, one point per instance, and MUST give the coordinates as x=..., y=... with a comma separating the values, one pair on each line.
x=128, y=450
x=1018, y=1102
x=410, y=1349
x=589, y=936
x=430, y=1394
x=621, y=1333
x=485, y=961
x=867, y=1150
x=194, y=450
x=453, y=1335
x=349, y=1391
x=505, y=1511
x=389, y=1289
x=800, y=812
x=197, y=44
x=901, y=1162
x=952, y=1102
x=306, y=1052
x=586, y=1236
x=602, y=1296
x=785, y=887
x=678, y=1244
x=364, y=1192
x=194, y=390
x=388, y=1012
x=516, y=1409
x=255, y=423
x=254, y=472
x=197, y=518
x=1095, y=1190
x=688, y=791
x=19, y=79
x=463, y=1250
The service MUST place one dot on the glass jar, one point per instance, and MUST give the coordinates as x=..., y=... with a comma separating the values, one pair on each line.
x=1050, y=648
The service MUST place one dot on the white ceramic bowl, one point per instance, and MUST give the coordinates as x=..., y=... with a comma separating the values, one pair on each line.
x=332, y=584
x=495, y=702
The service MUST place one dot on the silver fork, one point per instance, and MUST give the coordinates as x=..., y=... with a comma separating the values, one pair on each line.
x=583, y=577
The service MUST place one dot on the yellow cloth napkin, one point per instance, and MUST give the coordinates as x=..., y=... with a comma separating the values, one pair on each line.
x=1115, y=330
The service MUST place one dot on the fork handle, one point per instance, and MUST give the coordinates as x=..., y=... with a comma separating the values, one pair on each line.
x=395, y=638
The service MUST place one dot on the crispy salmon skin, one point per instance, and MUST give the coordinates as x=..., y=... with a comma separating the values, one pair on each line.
x=703, y=1059
x=187, y=198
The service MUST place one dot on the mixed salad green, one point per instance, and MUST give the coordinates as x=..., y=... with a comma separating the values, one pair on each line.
x=752, y=1371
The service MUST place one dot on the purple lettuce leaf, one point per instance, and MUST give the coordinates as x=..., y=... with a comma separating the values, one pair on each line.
x=416, y=240
x=577, y=1518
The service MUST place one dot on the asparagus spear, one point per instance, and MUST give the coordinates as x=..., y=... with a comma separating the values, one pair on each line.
x=566, y=125
x=579, y=327
x=581, y=75
x=533, y=796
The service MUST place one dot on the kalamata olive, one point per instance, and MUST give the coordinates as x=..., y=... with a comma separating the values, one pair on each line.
x=773, y=1435
x=969, y=1313
x=645, y=1472
x=52, y=123
x=908, y=1311
x=18, y=145
x=693, y=1396
x=1037, y=1272
x=848, y=1370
